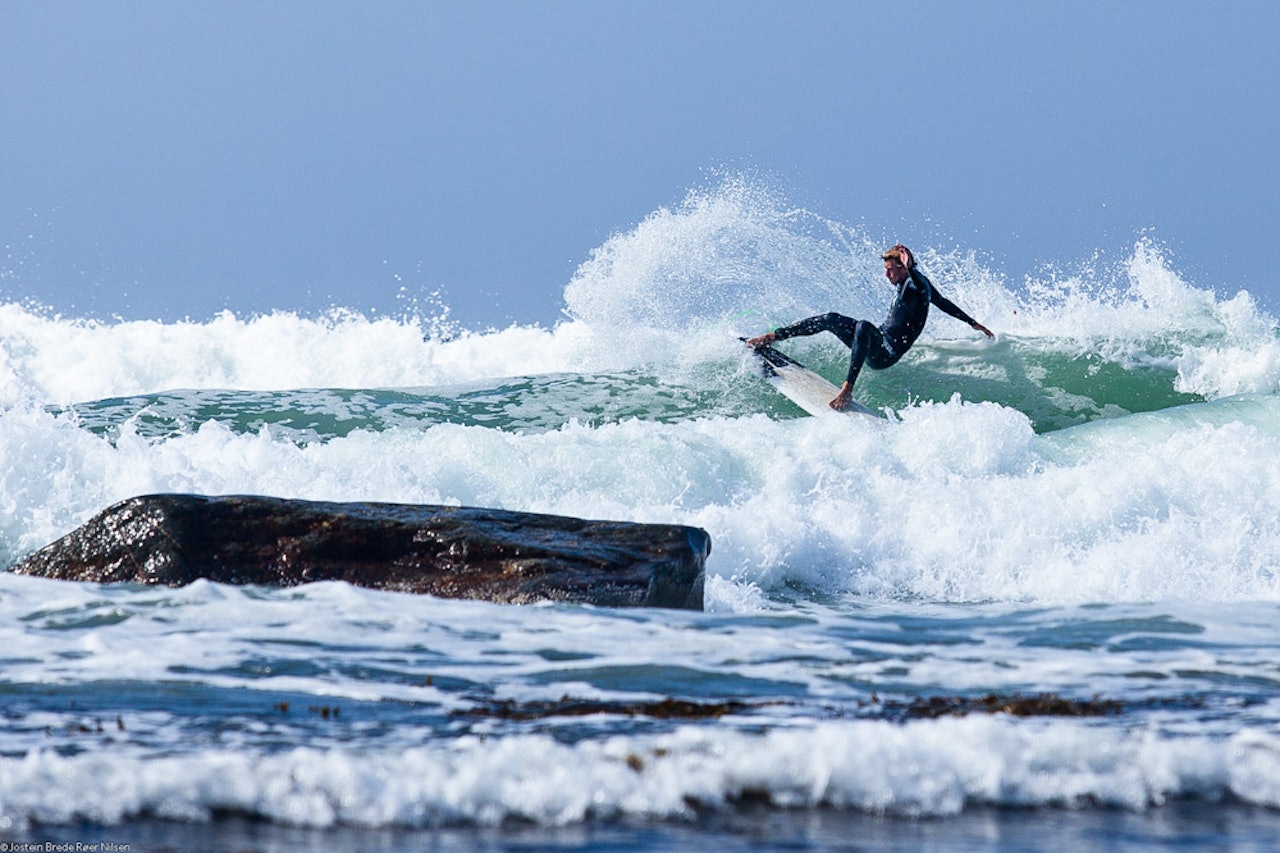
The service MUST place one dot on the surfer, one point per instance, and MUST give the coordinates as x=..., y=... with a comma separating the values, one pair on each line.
x=879, y=346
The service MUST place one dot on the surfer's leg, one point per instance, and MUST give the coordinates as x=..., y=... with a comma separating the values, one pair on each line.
x=859, y=354
x=837, y=324
x=860, y=336
x=868, y=347
x=879, y=354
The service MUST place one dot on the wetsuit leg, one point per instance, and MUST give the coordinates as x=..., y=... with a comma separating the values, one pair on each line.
x=868, y=346
x=837, y=324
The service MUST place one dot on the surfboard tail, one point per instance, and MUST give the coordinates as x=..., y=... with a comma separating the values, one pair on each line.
x=808, y=390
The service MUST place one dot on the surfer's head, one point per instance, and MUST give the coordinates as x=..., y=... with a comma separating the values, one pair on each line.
x=895, y=268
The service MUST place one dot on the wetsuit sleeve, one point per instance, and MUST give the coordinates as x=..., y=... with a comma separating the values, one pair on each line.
x=943, y=303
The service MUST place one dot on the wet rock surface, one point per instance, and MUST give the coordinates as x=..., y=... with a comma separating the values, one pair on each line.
x=927, y=707
x=450, y=552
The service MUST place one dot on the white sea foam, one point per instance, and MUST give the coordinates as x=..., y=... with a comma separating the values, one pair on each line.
x=57, y=360
x=1143, y=311
x=925, y=768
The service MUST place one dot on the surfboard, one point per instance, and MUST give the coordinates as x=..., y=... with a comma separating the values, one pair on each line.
x=802, y=386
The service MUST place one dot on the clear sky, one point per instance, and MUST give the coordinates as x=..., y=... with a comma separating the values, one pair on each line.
x=171, y=159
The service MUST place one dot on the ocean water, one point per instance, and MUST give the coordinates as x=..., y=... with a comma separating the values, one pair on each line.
x=1083, y=509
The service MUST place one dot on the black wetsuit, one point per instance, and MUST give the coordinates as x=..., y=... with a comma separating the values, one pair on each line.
x=881, y=347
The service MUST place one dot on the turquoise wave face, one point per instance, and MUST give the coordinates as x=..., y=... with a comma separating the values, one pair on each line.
x=530, y=404
x=1053, y=389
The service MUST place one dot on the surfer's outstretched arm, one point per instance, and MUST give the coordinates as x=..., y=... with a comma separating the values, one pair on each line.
x=948, y=307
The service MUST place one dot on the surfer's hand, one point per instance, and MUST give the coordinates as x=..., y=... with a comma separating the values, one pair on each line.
x=907, y=260
x=766, y=338
x=981, y=328
x=841, y=401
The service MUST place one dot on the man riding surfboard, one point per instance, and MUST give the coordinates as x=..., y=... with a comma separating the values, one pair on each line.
x=879, y=346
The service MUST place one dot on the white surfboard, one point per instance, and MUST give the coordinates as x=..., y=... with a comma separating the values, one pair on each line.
x=802, y=386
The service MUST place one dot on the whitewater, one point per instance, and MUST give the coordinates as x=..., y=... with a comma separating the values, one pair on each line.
x=1083, y=508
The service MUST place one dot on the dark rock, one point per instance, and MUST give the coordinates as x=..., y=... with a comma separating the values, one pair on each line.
x=1043, y=705
x=930, y=707
x=451, y=552
x=663, y=709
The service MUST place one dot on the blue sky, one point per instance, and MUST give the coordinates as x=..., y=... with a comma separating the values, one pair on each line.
x=171, y=159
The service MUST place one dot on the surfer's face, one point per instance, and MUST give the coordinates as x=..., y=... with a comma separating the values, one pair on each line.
x=895, y=271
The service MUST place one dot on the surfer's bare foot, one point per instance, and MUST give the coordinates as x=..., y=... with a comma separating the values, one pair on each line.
x=766, y=338
x=844, y=398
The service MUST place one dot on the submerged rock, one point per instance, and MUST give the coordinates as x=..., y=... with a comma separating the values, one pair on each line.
x=451, y=552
